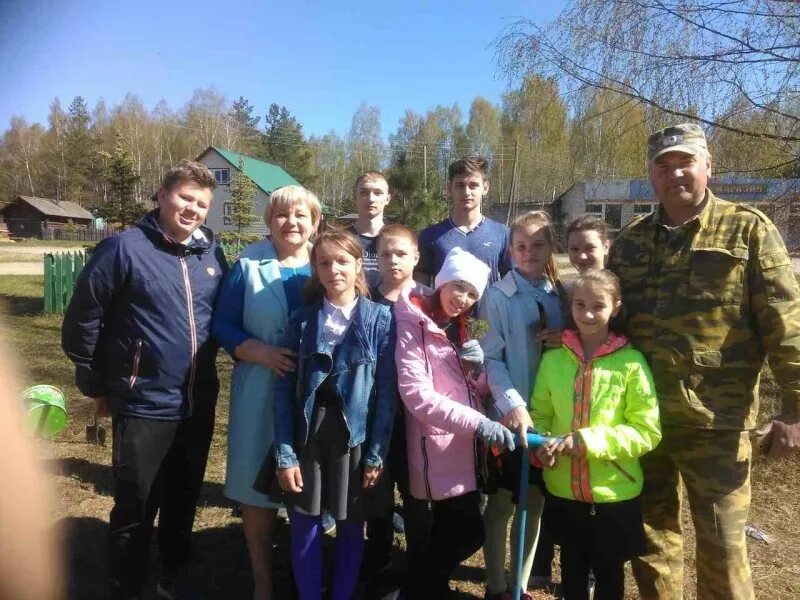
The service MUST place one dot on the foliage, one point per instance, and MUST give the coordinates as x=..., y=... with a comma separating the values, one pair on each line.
x=678, y=60
x=233, y=242
x=121, y=207
x=284, y=144
x=421, y=210
x=242, y=200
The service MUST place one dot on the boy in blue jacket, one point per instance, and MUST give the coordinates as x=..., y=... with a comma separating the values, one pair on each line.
x=138, y=331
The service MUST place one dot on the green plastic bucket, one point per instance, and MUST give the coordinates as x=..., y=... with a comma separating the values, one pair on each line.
x=46, y=410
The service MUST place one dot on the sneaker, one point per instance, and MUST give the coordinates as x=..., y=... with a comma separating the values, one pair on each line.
x=172, y=588
x=398, y=524
x=328, y=523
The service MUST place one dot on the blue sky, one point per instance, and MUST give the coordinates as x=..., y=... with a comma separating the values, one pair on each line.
x=320, y=59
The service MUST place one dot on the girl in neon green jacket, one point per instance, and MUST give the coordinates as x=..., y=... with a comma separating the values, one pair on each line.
x=595, y=395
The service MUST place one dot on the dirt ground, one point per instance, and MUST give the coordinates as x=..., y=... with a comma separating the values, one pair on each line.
x=25, y=259
x=81, y=476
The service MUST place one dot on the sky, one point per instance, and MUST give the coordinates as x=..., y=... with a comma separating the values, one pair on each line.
x=320, y=59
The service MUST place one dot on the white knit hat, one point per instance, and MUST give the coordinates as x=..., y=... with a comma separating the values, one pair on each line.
x=460, y=265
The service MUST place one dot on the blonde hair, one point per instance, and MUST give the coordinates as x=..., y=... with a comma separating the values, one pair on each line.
x=314, y=289
x=289, y=195
x=603, y=279
x=540, y=219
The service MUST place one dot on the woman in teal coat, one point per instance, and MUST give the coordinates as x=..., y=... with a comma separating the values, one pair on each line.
x=254, y=303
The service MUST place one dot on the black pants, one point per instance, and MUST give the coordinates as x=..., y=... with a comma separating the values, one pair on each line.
x=545, y=551
x=417, y=515
x=600, y=537
x=457, y=533
x=158, y=466
x=608, y=571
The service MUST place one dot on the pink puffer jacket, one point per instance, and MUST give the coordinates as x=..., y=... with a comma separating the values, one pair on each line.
x=443, y=407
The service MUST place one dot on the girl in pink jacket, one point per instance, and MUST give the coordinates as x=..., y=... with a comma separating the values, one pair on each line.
x=441, y=381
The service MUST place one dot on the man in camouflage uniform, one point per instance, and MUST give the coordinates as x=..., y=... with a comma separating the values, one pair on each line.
x=709, y=292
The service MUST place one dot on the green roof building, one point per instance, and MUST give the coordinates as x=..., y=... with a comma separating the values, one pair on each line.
x=267, y=177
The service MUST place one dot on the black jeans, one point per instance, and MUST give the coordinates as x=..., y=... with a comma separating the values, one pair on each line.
x=158, y=466
x=457, y=533
x=417, y=516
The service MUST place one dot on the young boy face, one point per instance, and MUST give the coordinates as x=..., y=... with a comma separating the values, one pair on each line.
x=372, y=196
x=397, y=257
x=467, y=191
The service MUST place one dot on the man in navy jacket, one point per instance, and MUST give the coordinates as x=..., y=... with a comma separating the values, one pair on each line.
x=138, y=331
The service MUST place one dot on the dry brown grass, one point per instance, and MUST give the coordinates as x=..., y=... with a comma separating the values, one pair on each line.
x=82, y=476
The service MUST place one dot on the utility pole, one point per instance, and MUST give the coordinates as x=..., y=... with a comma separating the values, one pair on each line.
x=513, y=188
x=425, y=167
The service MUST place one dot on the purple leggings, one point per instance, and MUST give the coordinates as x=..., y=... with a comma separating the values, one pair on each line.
x=306, y=532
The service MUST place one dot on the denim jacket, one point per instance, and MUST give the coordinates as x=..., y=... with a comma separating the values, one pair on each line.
x=366, y=381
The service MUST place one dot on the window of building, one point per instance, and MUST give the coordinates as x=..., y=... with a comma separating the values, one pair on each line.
x=643, y=209
x=227, y=213
x=594, y=209
x=613, y=215
x=223, y=176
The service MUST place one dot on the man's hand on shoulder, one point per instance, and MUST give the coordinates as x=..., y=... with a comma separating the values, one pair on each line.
x=779, y=437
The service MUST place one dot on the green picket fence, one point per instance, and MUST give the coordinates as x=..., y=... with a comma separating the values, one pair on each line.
x=61, y=270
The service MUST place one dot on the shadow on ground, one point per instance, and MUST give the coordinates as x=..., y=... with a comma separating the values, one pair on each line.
x=219, y=569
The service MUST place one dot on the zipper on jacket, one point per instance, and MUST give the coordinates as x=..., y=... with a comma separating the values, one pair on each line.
x=425, y=467
x=136, y=358
x=623, y=471
x=192, y=330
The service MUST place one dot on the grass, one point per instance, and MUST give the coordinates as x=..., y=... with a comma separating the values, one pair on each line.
x=82, y=476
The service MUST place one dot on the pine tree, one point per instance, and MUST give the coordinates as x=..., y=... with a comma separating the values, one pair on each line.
x=79, y=152
x=121, y=177
x=285, y=145
x=247, y=135
x=243, y=201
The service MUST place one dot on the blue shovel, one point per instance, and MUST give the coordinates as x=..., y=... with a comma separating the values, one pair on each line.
x=534, y=441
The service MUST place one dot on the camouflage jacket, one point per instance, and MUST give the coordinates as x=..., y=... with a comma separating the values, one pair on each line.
x=705, y=303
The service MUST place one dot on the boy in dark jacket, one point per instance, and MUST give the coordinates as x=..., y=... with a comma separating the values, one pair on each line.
x=138, y=331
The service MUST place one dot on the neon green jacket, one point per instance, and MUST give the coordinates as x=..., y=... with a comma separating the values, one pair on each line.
x=611, y=402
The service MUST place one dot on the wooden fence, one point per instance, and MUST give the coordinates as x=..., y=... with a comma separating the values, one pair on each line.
x=61, y=271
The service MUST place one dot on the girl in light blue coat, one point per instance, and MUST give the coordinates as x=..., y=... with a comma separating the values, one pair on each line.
x=524, y=314
x=254, y=303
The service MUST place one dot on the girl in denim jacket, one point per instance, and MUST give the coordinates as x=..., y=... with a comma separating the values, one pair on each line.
x=334, y=415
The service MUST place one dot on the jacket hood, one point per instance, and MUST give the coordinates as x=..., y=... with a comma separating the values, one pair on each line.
x=572, y=341
x=510, y=286
x=151, y=227
x=406, y=310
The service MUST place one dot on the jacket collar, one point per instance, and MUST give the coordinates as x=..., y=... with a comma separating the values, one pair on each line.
x=572, y=341
x=152, y=229
x=512, y=282
x=702, y=220
x=357, y=328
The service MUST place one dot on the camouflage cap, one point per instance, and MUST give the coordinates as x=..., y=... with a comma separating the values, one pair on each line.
x=686, y=137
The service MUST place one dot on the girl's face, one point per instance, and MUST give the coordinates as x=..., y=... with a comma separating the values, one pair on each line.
x=337, y=269
x=457, y=297
x=587, y=250
x=592, y=309
x=291, y=225
x=530, y=250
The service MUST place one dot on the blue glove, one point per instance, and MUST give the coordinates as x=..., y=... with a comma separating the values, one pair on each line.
x=494, y=435
x=471, y=352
